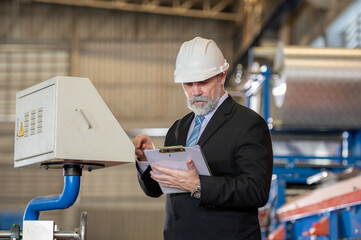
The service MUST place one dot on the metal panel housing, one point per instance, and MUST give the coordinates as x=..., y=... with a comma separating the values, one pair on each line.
x=65, y=120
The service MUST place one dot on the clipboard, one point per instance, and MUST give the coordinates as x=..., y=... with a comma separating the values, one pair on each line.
x=176, y=157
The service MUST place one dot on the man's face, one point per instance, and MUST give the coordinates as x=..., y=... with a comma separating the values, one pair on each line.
x=203, y=97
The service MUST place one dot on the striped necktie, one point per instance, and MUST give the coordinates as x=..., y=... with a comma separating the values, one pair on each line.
x=192, y=140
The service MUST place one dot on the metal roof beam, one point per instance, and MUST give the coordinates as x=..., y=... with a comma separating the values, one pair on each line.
x=189, y=8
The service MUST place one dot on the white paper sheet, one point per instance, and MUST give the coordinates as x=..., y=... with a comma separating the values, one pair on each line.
x=178, y=160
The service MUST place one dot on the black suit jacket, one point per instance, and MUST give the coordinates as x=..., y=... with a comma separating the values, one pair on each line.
x=237, y=146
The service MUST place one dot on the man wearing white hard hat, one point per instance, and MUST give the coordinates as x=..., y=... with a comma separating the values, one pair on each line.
x=237, y=147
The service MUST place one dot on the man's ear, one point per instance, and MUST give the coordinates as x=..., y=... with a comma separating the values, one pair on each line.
x=223, y=77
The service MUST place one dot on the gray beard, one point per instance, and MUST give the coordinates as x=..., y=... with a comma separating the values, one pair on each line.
x=211, y=103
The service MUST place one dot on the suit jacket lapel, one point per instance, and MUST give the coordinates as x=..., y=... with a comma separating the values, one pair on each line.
x=183, y=129
x=217, y=120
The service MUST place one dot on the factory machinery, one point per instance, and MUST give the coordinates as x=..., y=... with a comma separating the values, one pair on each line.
x=311, y=101
x=64, y=124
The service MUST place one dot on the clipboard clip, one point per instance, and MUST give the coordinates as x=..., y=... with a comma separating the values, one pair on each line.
x=172, y=149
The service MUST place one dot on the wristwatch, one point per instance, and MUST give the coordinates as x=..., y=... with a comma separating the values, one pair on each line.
x=196, y=193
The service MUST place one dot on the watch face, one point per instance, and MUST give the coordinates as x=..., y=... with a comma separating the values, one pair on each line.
x=197, y=194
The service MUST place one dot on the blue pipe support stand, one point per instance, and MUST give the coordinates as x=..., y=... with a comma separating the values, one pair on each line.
x=54, y=202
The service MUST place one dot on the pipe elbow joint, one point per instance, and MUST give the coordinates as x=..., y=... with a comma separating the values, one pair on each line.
x=54, y=202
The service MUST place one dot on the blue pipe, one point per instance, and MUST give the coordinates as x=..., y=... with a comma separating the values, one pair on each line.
x=266, y=93
x=53, y=202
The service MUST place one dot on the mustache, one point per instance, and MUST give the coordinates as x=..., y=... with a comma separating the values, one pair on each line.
x=198, y=98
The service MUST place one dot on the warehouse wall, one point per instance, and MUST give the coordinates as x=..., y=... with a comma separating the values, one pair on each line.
x=116, y=50
x=130, y=59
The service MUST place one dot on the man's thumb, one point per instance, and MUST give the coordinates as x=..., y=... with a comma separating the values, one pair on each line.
x=190, y=165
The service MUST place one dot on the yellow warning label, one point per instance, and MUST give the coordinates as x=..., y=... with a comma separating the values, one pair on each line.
x=21, y=132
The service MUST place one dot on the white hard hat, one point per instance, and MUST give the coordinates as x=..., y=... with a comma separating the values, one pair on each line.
x=199, y=59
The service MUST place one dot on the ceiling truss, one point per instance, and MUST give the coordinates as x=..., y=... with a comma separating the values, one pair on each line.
x=227, y=10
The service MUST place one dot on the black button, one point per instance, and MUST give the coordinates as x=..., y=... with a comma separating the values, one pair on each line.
x=175, y=217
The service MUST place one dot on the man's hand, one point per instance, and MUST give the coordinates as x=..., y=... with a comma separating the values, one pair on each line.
x=142, y=142
x=186, y=180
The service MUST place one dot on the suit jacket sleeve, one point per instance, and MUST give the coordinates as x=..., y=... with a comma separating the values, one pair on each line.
x=149, y=186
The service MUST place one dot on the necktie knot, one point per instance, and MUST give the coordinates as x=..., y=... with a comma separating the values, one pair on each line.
x=199, y=119
x=192, y=140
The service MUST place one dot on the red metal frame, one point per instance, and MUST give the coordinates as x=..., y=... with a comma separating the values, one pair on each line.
x=320, y=228
x=278, y=233
x=341, y=201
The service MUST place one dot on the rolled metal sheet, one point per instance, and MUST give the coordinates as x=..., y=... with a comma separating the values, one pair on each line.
x=317, y=88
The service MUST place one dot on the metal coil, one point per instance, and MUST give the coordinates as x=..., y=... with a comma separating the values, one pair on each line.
x=317, y=88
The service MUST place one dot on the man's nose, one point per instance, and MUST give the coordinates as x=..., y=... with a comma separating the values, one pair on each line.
x=196, y=90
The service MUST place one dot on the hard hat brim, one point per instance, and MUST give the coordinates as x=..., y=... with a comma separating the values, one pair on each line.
x=187, y=77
